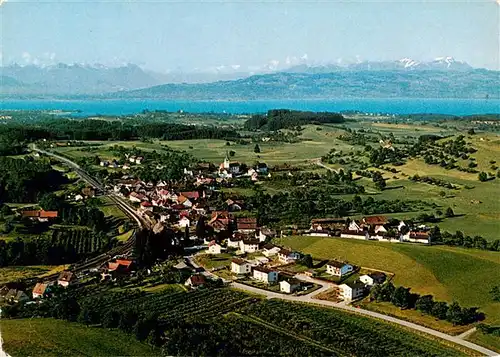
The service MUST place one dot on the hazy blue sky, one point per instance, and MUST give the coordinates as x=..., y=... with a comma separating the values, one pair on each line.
x=163, y=35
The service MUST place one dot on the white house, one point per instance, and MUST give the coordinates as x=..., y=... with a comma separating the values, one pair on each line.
x=249, y=245
x=372, y=279
x=380, y=229
x=214, y=248
x=265, y=275
x=239, y=266
x=260, y=236
x=270, y=249
x=337, y=268
x=351, y=291
x=286, y=256
x=234, y=242
x=354, y=226
x=184, y=222
x=289, y=286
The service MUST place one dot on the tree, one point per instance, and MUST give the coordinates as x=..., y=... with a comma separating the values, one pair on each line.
x=401, y=297
x=200, y=228
x=471, y=131
x=440, y=310
x=483, y=176
x=232, y=153
x=256, y=149
x=425, y=304
x=449, y=212
x=442, y=193
x=307, y=261
x=454, y=314
x=495, y=293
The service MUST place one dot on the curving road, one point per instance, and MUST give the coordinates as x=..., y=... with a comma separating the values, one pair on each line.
x=310, y=298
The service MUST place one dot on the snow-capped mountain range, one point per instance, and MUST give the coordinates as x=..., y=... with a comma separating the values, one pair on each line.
x=85, y=79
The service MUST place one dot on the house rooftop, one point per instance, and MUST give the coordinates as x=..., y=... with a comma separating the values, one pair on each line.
x=336, y=263
x=355, y=285
x=263, y=270
x=376, y=220
x=238, y=261
x=197, y=280
x=285, y=252
x=66, y=276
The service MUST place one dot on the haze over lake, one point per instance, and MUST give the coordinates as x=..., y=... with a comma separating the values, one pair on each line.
x=391, y=106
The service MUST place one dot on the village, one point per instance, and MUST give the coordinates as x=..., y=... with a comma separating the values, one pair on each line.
x=229, y=244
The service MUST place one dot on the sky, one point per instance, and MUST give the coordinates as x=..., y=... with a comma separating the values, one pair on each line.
x=198, y=35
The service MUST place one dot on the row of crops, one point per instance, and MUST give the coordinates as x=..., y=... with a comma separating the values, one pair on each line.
x=81, y=242
x=352, y=334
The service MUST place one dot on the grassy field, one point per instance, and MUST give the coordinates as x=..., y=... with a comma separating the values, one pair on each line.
x=15, y=273
x=415, y=316
x=488, y=341
x=49, y=337
x=464, y=275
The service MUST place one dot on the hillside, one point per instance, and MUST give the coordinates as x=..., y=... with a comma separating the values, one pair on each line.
x=343, y=84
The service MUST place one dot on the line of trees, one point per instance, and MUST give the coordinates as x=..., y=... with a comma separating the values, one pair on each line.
x=404, y=299
x=283, y=119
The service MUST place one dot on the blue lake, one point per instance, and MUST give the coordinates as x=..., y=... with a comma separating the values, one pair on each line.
x=390, y=106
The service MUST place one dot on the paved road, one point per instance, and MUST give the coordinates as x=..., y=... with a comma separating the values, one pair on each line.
x=342, y=305
x=310, y=298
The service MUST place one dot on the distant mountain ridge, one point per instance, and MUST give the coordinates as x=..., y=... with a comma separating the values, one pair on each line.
x=441, y=63
x=441, y=78
x=341, y=84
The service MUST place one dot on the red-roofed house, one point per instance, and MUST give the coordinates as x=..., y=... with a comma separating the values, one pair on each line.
x=246, y=224
x=195, y=281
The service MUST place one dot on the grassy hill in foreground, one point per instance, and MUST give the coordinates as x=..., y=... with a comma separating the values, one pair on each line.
x=447, y=273
x=49, y=337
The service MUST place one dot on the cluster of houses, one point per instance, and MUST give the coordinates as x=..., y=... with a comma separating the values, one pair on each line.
x=129, y=159
x=230, y=169
x=377, y=228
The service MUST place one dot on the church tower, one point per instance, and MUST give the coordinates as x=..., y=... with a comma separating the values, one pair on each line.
x=226, y=161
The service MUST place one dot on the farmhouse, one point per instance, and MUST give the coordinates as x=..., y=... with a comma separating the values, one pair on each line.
x=336, y=268
x=375, y=221
x=65, y=278
x=240, y=266
x=195, y=281
x=286, y=256
x=214, y=248
x=265, y=275
x=372, y=278
x=351, y=291
x=289, y=286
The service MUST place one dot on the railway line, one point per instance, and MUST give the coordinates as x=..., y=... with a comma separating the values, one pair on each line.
x=130, y=212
